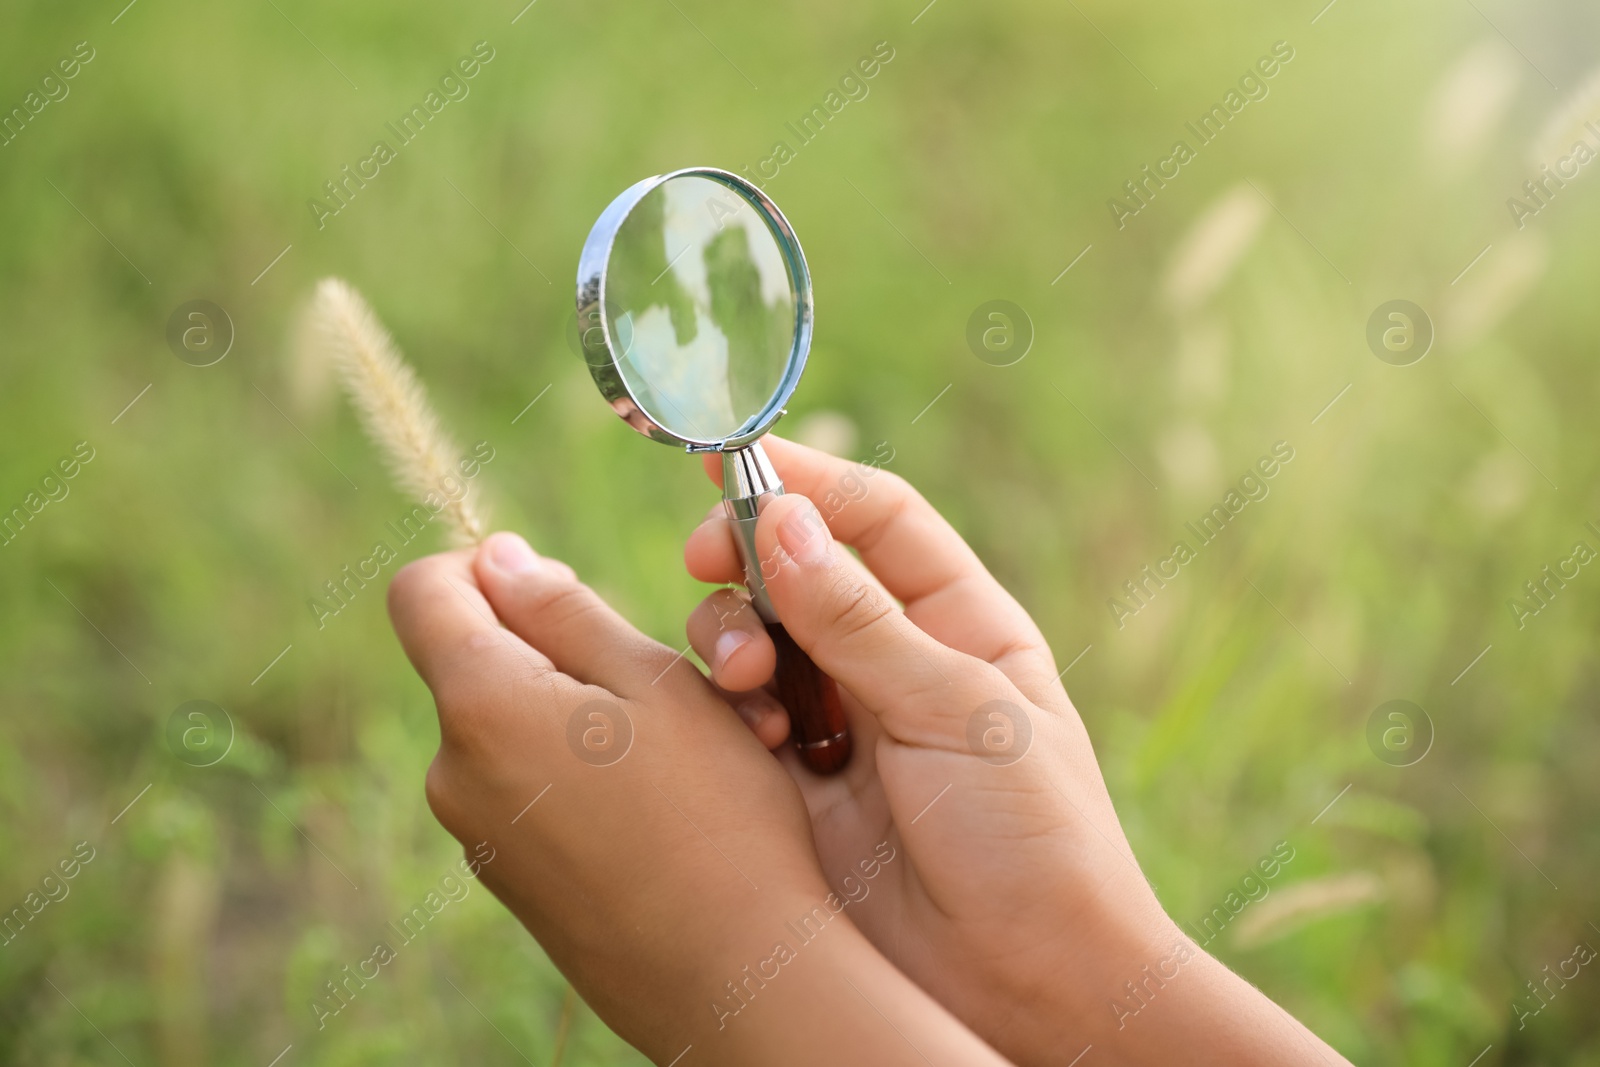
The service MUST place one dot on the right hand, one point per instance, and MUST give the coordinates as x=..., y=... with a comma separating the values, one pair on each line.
x=1019, y=904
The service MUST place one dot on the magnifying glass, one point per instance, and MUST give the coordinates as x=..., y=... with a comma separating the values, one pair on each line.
x=694, y=311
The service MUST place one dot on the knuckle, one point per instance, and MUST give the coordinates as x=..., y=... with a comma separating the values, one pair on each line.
x=980, y=682
x=468, y=719
x=901, y=496
x=855, y=607
x=476, y=687
x=650, y=658
x=438, y=789
x=412, y=582
x=460, y=685
x=484, y=714
x=988, y=681
x=728, y=610
x=402, y=587
x=563, y=603
x=897, y=486
x=458, y=718
x=1022, y=646
x=704, y=623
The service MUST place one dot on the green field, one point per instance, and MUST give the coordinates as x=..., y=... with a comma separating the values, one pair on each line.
x=1220, y=316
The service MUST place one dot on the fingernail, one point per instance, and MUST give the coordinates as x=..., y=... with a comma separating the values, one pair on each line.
x=511, y=554
x=729, y=642
x=804, y=536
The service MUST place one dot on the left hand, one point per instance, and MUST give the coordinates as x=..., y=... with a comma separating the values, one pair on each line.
x=653, y=880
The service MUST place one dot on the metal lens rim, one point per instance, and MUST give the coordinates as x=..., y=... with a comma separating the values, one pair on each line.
x=592, y=275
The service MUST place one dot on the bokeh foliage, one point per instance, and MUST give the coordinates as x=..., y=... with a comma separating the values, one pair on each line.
x=1227, y=713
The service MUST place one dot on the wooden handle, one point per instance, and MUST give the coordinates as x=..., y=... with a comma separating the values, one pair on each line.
x=816, y=717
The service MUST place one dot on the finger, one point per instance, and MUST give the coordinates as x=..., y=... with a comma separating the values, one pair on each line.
x=922, y=691
x=442, y=617
x=543, y=603
x=451, y=635
x=730, y=637
x=711, y=554
x=761, y=712
x=901, y=537
x=919, y=557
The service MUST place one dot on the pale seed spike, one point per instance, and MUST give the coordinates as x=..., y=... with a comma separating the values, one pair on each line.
x=393, y=407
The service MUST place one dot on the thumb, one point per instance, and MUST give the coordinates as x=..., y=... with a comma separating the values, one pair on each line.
x=543, y=602
x=922, y=691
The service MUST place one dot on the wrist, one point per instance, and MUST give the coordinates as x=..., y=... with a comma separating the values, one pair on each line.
x=1114, y=949
x=1150, y=994
x=799, y=984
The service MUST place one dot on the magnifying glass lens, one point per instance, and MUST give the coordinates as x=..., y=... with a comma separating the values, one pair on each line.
x=700, y=301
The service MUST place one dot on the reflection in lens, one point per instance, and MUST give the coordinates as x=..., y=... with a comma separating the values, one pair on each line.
x=699, y=285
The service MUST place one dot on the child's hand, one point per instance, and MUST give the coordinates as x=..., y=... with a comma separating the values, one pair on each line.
x=654, y=873
x=1018, y=902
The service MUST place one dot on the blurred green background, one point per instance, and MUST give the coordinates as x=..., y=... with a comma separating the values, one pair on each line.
x=1222, y=318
